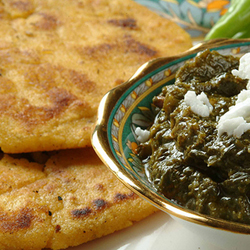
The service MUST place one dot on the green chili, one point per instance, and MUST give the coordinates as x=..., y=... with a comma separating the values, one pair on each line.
x=235, y=23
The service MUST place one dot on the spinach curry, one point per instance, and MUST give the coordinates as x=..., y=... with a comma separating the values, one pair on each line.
x=184, y=157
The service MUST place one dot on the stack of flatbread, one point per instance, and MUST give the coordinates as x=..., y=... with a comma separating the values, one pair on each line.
x=57, y=60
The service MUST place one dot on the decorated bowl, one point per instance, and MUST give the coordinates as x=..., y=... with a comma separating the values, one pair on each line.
x=195, y=16
x=129, y=106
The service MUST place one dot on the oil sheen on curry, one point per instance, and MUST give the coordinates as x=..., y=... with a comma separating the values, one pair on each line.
x=198, y=150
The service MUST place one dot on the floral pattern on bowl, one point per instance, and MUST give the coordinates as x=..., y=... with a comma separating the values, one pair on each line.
x=195, y=16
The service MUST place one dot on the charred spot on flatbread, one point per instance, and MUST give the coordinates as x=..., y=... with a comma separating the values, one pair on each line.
x=82, y=212
x=129, y=23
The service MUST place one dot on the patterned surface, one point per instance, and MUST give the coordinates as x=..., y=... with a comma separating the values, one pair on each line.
x=195, y=16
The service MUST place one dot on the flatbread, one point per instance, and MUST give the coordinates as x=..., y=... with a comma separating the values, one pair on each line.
x=71, y=199
x=58, y=58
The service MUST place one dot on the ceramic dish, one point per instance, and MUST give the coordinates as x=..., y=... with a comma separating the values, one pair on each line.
x=128, y=106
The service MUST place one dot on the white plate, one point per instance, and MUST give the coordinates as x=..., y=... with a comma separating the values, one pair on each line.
x=157, y=232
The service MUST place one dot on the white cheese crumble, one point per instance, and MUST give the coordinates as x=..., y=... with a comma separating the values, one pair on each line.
x=142, y=135
x=236, y=120
x=244, y=68
x=199, y=104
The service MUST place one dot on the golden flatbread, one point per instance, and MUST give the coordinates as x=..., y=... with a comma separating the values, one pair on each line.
x=71, y=199
x=58, y=58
